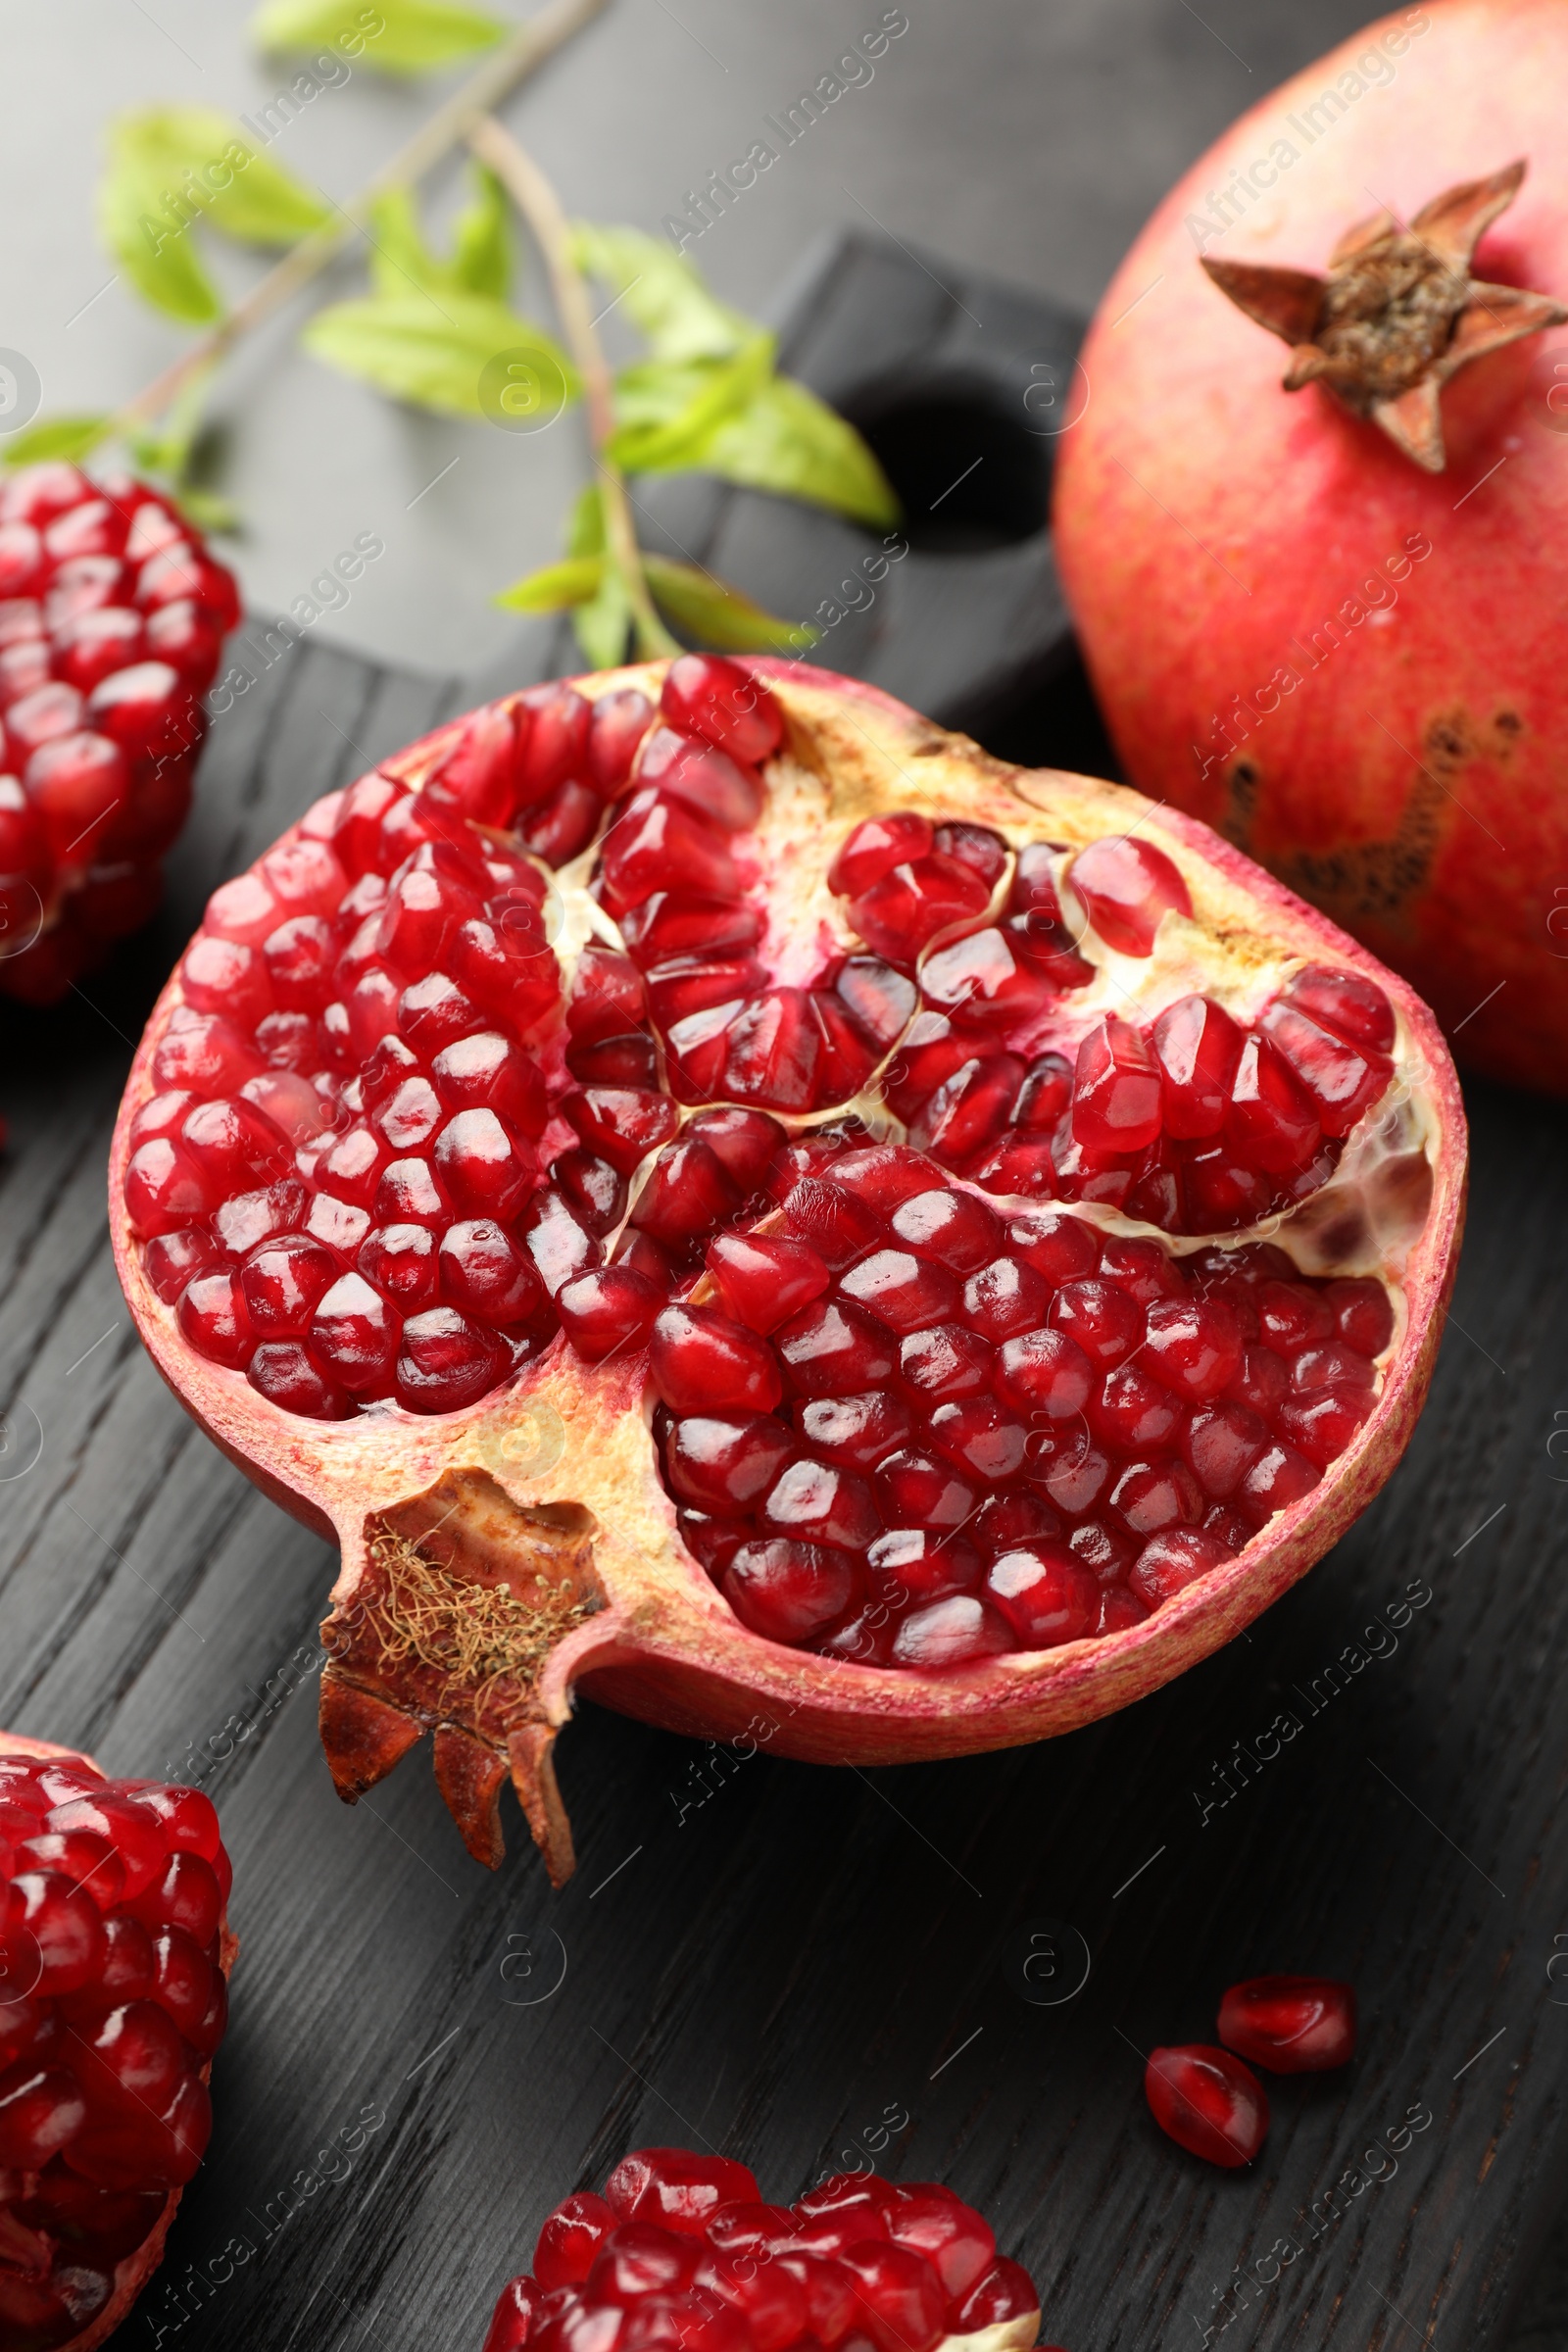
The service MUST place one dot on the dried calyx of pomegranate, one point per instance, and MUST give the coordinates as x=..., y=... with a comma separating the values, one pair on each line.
x=719, y=1191
x=680, y=2252
x=112, y=618
x=115, y=1953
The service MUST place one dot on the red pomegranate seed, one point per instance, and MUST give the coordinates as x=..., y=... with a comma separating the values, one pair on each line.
x=677, y=2189
x=1005, y=2292
x=1172, y=1558
x=1269, y=1118
x=1116, y=1090
x=702, y=777
x=874, y=847
x=701, y=1360
x=1347, y=1005
x=787, y=1591
x=609, y=1310
x=570, y=2239
x=1127, y=886
x=1045, y=1594
x=948, y=1634
x=913, y=902
x=1198, y=1045
x=858, y=1432
x=1209, y=2102
x=1290, y=2025
x=763, y=1279
x=707, y=696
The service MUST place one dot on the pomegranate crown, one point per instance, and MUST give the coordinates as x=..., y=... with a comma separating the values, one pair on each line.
x=1398, y=311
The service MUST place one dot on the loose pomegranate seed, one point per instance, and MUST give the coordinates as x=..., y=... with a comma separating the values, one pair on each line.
x=1290, y=2025
x=1209, y=2102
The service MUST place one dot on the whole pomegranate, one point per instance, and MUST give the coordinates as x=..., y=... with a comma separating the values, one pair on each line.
x=112, y=616
x=1322, y=596
x=114, y=1959
x=680, y=2250
x=716, y=1190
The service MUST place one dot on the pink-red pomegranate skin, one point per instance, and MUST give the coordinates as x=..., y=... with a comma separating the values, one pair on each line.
x=1349, y=667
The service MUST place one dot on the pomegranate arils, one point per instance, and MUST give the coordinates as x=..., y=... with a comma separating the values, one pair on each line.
x=103, y=2109
x=1290, y=2025
x=1209, y=2102
x=680, y=2253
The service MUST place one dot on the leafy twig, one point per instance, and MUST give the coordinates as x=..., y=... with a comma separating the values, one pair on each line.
x=540, y=206
x=533, y=43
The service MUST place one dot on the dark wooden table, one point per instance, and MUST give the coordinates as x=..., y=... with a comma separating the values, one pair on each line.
x=423, y=2057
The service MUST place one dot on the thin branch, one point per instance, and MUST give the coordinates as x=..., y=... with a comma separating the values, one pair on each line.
x=528, y=48
x=540, y=206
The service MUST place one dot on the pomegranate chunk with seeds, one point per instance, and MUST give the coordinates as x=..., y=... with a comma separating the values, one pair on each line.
x=101, y=674
x=114, y=2000
x=679, y=2250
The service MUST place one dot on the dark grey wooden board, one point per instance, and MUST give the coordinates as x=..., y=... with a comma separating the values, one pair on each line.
x=422, y=2057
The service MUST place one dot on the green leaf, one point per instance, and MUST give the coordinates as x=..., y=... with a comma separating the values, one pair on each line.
x=400, y=258
x=555, y=586
x=414, y=35
x=482, y=251
x=481, y=240
x=585, y=533
x=660, y=292
x=171, y=168
x=669, y=413
x=431, y=350
x=602, y=623
x=790, y=442
x=70, y=437
x=719, y=614
x=207, y=510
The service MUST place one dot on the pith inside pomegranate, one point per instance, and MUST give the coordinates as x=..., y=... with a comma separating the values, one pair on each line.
x=718, y=1191
x=1319, y=596
x=681, y=2252
x=111, y=617
x=114, y=1961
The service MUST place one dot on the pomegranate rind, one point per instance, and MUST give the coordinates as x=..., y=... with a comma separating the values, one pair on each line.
x=134, y=2272
x=1212, y=528
x=650, y=1633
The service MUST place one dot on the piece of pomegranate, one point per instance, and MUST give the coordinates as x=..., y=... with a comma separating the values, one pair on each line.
x=1309, y=581
x=115, y=1953
x=629, y=1332
x=1290, y=2025
x=112, y=619
x=680, y=2251
x=1209, y=2102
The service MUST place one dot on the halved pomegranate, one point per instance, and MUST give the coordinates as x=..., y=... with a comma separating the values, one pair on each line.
x=681, y=2251
x=115, y=1953
x=717, y=1192
x=111, y=617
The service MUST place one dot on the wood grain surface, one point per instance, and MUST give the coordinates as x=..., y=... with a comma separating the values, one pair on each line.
x=801, y=1966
